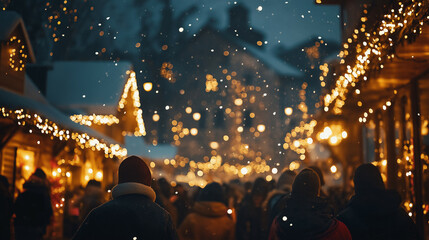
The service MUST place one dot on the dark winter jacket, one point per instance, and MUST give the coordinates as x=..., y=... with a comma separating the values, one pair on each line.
x=208, y=221
x=251, y=223
x=378, y=215
x=92, y=198
x=33, y=207
x=304, y=219
x=132, y=214
x=6, y=211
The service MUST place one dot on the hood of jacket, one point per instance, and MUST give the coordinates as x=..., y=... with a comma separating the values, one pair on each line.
x=377, y=203
x=210, y=209
x=304, y=218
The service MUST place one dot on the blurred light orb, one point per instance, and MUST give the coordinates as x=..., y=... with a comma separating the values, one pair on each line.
x=214, y=145
x=147, y=86
x=194, y=131
x=196, y=116
x=261, y=127
x=288, y=111
x=238, y=101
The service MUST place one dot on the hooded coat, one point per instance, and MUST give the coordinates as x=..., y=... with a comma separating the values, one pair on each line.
x=307, y=220
x=374, y=212
x=132, y=214
x=208, y=221
x=378, y=216
x=33, y=209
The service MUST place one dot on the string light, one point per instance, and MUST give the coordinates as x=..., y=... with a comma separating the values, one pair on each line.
x=88, y=120
x=17, y=54
x=373, y=48
x=131, y=87
x=45, y=126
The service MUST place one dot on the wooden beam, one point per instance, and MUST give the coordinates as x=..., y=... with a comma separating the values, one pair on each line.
x=418, y=164
x=7, y=136
x=392, y=164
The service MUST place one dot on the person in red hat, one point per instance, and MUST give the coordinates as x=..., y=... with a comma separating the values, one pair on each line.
x=132, y=214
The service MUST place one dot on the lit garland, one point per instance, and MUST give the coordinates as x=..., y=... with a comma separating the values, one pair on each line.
x=211, y=83
x=94, y=119
x=404, y=19
x=48, y=127
x=167, y=72
x=17, y=54
x=131, y=86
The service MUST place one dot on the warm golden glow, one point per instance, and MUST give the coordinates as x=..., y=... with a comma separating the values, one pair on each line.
x=45, y=126
x=196, y=116
x=147, y=86
x=88, y=120
x=288, y=111
x=131, y=88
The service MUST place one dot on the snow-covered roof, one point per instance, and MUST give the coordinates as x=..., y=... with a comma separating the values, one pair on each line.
x=92, y=87
x=265, y=57
x=270, y=60
x=9, y=21
x=31, y=91
x=12, y=100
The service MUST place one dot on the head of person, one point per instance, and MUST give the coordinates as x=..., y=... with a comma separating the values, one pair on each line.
x=367, y=179
x=259, y=191
x=4, y=182
x=212, y=192
x=93, y=183
x=285, y=180
x=40, y=173
x=134, y=177
x=165, y=187
x=306, y=185
x=319, y=173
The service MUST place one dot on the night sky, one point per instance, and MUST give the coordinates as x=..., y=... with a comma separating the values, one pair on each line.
x=283, y=22
x=288, y=22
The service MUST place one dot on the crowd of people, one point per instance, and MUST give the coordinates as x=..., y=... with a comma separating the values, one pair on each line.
x=139, y=207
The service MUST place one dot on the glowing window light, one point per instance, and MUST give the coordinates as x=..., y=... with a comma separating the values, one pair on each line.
x=99, y=176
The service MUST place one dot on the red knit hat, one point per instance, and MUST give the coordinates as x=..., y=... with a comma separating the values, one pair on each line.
x=134, y=169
